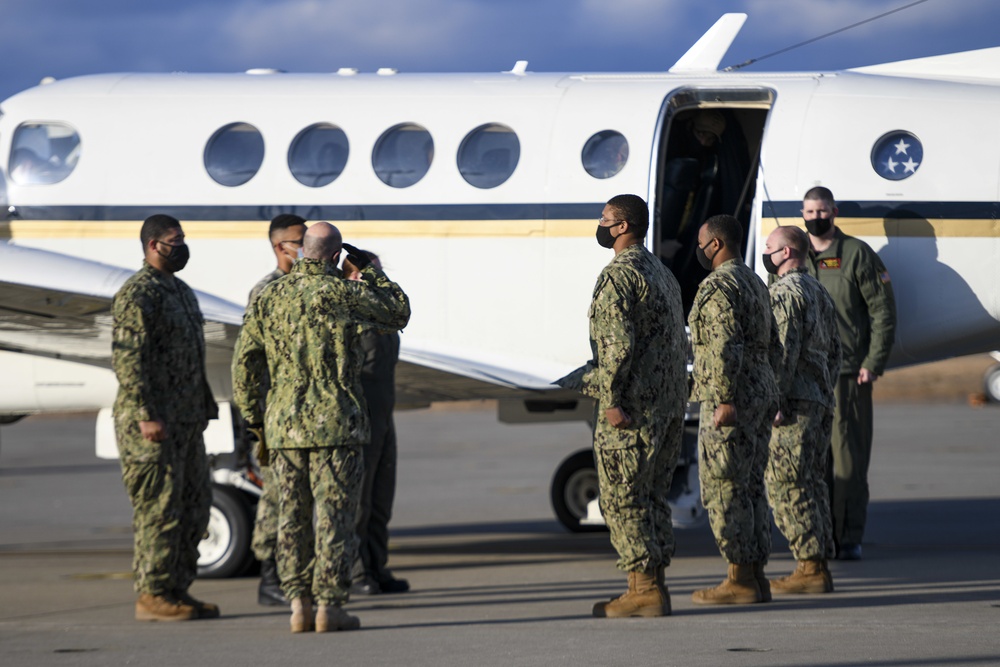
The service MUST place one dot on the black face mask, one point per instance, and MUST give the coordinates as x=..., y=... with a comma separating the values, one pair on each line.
x=818, y=226
x=604, y=237
x=177, y=258
x=769, y=264
x=703, y=259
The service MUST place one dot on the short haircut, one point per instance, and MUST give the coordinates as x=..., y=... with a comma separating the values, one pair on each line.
x=727, y=229
x=634, y=209
x=819, y=193
x=794, y=238
x=156, y=226
x=321, y=241
x=284, y=221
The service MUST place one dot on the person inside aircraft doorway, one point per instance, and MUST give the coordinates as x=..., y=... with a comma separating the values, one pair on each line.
x=638, y=376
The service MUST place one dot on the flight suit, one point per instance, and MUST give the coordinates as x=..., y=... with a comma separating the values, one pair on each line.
x=735, y=340
x=265, y=529
x=158, y=356
x=303, y=332
x=639, y=364
x=859, y=283
x=800, y=446
x=378, y=382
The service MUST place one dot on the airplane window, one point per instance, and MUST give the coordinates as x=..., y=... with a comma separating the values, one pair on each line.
x=488, y=155
x=318, y=154
x=605, y=154
x=43, y=153
x=403, y=154
x=234, y=154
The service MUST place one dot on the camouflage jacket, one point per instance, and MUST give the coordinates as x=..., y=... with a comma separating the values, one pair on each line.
x=303, y=331
x=158, y=351
x=637, y=338
x=262, y=283
x=859, y=283
x=735, y=339
x=807, y=326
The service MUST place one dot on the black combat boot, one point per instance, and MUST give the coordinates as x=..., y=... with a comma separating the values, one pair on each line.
x=269, y=592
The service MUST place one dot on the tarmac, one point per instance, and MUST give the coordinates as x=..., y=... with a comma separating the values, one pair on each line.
x=497, y=581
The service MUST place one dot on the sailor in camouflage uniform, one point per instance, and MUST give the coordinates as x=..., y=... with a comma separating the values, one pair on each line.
x=302, y=330
x=800, y=441
x=285, y=233
x=734, y=341
x=638, y=378
x=163, y=405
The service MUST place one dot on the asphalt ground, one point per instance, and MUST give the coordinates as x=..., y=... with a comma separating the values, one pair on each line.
x=497, y=581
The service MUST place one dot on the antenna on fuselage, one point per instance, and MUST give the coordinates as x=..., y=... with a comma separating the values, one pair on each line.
x=520, y=68
x=707, y=52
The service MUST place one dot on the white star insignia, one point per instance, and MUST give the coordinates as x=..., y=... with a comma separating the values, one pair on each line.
x=891, y=165
x=910, y=166
x=901, y=147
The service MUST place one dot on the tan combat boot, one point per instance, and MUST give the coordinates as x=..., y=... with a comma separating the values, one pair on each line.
x=643, y=598
x=203, y=609
x=151, y=607
x=302, y=614
x=740, y=587
x=762, y=583
x=331, y=618
x=810, y=576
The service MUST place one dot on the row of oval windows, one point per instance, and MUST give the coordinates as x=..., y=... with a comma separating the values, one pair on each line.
x=44, y=153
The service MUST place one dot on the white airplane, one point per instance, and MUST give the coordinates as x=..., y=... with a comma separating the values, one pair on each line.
x=481, y=192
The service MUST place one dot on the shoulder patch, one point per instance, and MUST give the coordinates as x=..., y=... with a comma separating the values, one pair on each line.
x=830, y=263
x=885, y=277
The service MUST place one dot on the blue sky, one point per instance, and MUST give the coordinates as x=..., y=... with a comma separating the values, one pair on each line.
x=63, y=38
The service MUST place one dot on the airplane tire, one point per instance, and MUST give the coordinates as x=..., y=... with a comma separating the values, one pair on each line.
x=991, y=383
x=225, y=549
x=573, y=486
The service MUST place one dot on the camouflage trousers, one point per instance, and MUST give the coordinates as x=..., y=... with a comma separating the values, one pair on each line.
x=325, y=481
x=170, y=491
x=731, y=463
x=634, y=477
x=796, y=479
x=265, y=528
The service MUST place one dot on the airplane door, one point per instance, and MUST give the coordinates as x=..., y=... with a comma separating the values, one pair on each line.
x=708, y=148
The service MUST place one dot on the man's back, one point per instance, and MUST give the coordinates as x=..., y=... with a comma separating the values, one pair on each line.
x=731, y=322
x=306, y=323
x=807, y=324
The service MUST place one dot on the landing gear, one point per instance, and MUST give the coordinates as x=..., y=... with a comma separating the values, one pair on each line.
x=991, y=383
x=573, y=486
x=225, y=549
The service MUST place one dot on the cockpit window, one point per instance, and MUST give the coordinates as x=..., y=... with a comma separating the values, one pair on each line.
x=43, y=153
x=318, y=155
x=403, y=154
x=488, y=155
x=605, y=154
x=234, y=154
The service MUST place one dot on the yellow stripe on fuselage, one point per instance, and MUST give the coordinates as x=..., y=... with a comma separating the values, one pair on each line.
x=256, y=229
x=900, y=227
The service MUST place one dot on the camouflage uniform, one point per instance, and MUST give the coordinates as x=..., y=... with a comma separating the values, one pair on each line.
x=378, y=382
x=303, y=332
x=639, y=346
x=800, y=446
x=265, y=529
x=859, y=283
x=158, y=355
x=734, y=339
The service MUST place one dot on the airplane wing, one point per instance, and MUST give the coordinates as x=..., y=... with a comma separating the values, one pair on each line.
x=59, y=306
